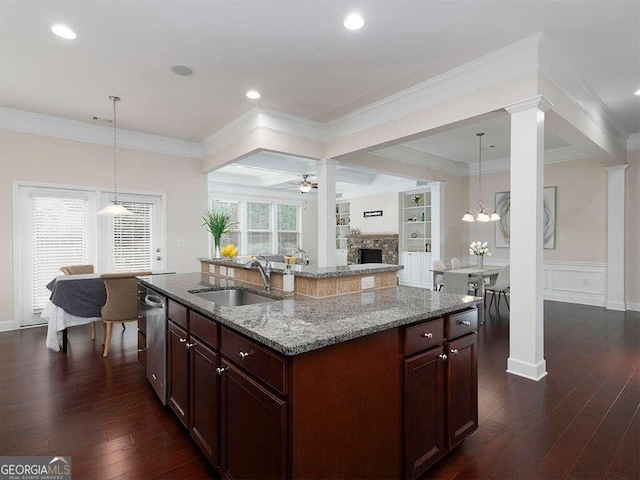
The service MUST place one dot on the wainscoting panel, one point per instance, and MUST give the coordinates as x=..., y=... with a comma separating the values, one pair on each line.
x=571, y=282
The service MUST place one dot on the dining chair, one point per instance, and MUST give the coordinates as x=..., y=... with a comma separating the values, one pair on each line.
x=122, y=302
x=77, y=269
x=455, y=264
x=80, y=270
x=439, y=265
x=499, y=287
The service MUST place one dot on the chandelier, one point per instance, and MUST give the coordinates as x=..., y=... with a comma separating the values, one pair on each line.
x=114, y=208
x=482, y=214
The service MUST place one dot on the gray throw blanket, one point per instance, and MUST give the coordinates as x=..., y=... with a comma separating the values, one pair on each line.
x=81, y=297
x=455, y=282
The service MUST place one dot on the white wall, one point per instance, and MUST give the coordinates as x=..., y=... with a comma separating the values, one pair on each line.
x=387, y=223
x=37, y=158
x=632, y=191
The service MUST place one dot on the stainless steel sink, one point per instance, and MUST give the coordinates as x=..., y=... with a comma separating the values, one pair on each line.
x=233, y=298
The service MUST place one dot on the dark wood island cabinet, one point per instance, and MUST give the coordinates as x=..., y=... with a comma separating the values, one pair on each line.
x=384, y=405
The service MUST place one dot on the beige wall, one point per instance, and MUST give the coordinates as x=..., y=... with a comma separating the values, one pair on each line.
x=581, y=210
x=633, y=229
x=387, y=223
x=35, y=158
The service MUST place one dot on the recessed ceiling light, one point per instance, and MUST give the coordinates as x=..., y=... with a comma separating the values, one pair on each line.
x=637, y=92
x=182, y=70
x=253, y=95
x=354, y=22
x=64, y=32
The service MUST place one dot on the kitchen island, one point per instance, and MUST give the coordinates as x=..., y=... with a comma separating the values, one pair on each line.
x=377, y=384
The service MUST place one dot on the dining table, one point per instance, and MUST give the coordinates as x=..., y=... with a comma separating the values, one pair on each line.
x=75, y=300
x=459, y=279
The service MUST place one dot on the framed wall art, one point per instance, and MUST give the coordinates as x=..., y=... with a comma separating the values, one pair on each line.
x=503, y=228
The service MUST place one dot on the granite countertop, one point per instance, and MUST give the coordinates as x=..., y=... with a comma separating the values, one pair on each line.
x=311, y=271
x=299, y=324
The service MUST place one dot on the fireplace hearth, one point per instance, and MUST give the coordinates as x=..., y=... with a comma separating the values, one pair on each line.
x=385, y=243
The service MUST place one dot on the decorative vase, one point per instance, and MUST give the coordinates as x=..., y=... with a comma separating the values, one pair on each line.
x=480, y=260
x=216, y=252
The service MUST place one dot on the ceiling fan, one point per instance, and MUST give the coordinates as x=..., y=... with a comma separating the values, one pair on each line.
x=305, y=185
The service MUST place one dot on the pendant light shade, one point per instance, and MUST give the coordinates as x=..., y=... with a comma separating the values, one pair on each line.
x=482, y=214
x=115, y=208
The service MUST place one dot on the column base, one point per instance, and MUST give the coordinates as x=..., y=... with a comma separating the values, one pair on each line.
x=532, y=371
x=620, y=306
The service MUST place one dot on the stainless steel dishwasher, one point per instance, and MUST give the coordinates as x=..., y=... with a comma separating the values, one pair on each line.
x=155, y=306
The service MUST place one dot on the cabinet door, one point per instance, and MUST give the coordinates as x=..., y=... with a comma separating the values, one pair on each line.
x=413, y=268
x=462, y=388
x=424, y=420
x=204, y=383
x=403, y=259
x=426, y=275
x=254, y=428
x=178, y=372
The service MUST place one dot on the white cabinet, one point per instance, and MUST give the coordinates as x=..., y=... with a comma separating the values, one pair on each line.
x=417, y=269
x=421, y=228
x=341, y=256
x=343, y=221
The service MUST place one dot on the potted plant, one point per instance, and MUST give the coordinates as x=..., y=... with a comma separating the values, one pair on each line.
x=218, y=223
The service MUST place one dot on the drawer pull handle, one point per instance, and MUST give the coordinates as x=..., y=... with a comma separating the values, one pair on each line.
x=426, y=334
x=182, y=340
x=244, y=355
x=220, y=370
x=154, y=376
x=142, y=349
x=140, y=292
x=464, y=322
x=140, y=317
x=189, y=345
x=454, y=351
x=443, y=357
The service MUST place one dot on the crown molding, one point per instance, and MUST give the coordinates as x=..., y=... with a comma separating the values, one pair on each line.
x=555, y=155
x=633, y=142
x=405, y=154
x=617, y=168
x=36, y=123
x=263, y=119
x=539, y=102
x=508, y=62
x=559, y=71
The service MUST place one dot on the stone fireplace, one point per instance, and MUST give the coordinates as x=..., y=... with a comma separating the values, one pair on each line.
x=386, y=242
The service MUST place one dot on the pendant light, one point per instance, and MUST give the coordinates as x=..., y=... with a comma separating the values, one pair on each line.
x=114, y=208
x=482, y=214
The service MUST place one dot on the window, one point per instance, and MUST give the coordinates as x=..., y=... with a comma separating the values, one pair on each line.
x=259, y=234
x=58, y=226
x=133, y=238
x=59, y=238
x=263, y=228
x=288, y=236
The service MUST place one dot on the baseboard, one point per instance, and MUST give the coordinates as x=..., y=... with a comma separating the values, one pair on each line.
x=633, y=306
x=619, y=306
x=6, y=326
x=579, y=298
x=528, y=370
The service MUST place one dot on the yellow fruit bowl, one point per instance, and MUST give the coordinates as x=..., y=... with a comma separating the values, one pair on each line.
x=229, y=251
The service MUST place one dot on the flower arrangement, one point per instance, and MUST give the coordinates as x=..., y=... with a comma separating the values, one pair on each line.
x=479, y=248
x=218, y=223
x=416, y=199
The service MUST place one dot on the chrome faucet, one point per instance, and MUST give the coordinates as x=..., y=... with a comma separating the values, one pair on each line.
x=265, y=271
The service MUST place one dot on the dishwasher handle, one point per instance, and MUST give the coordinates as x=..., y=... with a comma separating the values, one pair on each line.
x=150, y=300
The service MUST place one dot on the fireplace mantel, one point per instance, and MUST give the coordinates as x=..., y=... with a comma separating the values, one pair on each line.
x=387, y=242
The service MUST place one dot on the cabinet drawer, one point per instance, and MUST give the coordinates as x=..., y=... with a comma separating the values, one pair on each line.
x=203, y=328
x=142, y=349
x=267, y=366
x=423, y=336
x=461, y=323
x=177, y=313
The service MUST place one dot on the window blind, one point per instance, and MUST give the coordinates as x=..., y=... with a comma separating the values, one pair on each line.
x=259, y=232
x=288, y=236
x=59, y=236
x=133, y=238
x=233, y=210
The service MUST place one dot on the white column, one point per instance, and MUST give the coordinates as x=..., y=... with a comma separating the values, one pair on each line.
x=437, y=220
x=615, y=237
x=526, y=329
x=326, y=213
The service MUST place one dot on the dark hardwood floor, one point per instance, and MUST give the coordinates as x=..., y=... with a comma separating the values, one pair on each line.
x=582, y=421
